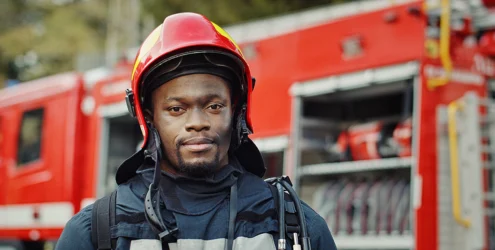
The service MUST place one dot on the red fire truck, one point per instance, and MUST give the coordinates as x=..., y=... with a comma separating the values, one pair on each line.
x=379, y=111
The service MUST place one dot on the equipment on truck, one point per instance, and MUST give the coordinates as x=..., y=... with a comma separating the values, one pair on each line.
x=411, y=102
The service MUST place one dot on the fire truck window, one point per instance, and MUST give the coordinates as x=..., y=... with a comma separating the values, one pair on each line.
x=29, y=146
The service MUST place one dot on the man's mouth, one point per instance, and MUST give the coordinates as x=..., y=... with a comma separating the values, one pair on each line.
x=198, y=144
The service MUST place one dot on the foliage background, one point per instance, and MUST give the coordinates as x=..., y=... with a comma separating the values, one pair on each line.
x=44, y=37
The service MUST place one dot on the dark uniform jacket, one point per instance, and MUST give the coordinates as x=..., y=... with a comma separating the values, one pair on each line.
x=199, y=209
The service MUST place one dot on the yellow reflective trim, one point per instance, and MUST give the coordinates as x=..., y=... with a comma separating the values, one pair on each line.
x=146, y=47
x=226, y=35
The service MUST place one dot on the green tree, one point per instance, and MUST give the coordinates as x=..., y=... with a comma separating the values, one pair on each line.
x=43, y=38
x=226, y=12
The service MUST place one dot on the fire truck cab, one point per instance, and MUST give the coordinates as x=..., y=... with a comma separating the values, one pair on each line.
x=41, y=150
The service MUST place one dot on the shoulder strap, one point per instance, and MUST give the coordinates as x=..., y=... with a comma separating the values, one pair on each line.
x=103, y=218
x=291, y=221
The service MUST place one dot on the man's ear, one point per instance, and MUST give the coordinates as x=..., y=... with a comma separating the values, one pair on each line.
x=148, y=115
x=233, y=108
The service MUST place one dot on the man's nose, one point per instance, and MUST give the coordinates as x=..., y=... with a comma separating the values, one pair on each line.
x=197, y=120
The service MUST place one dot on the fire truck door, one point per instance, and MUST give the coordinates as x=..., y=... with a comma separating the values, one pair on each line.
x=461, y=224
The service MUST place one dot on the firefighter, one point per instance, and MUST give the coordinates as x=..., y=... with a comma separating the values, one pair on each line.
x=196, y=182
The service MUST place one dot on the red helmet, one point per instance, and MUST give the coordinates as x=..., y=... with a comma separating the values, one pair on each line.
x=181, y=35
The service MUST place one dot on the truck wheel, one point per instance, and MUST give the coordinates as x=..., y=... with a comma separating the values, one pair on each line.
x=34, y=245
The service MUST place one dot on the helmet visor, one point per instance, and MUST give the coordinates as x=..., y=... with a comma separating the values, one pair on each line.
x=194, y=62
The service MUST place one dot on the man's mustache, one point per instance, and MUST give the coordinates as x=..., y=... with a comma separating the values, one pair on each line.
x=197, y=140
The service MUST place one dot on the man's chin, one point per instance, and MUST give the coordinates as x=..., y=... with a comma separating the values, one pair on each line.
x=197, y=168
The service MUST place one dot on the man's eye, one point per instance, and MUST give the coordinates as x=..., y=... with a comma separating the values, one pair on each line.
x=215, y=106
x=175, y=109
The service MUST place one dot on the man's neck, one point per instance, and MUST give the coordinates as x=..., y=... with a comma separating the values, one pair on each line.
x=166, y=166
x=174, y=172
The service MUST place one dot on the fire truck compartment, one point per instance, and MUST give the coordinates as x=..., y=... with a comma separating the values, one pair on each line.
x=121, y=138
x=332, y=123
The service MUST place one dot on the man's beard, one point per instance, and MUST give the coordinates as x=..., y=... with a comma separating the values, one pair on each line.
x=197, y=170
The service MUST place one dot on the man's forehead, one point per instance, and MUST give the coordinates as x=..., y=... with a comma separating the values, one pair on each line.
x=196, y=83
x=195, y=91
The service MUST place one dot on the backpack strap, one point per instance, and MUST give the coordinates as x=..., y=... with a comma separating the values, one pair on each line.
x=291, y=222
x=103, y=218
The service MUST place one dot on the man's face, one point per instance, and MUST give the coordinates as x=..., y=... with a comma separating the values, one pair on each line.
x=193, y=116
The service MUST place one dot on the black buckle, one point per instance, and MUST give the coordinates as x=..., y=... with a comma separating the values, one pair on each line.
x=245, y=132
x=168, y=235
x=273, y=180
x=129, y=99
x=154, y=218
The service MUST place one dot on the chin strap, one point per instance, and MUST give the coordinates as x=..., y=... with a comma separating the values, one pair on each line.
x=152, y=200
